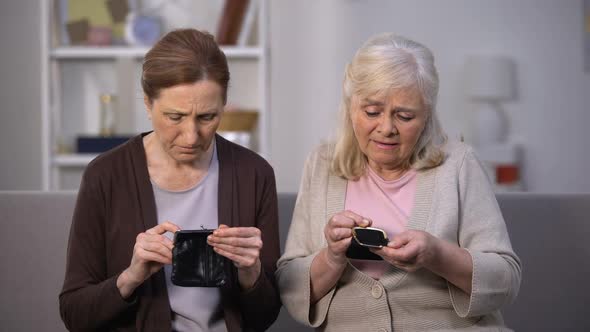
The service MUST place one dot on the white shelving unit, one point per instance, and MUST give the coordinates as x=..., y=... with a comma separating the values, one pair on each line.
x=95, y=52
x=58, y=64
x=73, y=159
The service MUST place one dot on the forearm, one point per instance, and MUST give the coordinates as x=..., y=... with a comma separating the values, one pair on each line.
x=324, y=275
x=247, y=277
x=259, y=299
x=126, y=284
x=92, y=306
x=454, y=264
x=260, y=304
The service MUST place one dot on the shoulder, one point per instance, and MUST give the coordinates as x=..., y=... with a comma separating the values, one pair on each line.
x=461, y=166
x=456, y=153
x=118, y=158
x=321, y=154
x=246, y=159
x=317, y=168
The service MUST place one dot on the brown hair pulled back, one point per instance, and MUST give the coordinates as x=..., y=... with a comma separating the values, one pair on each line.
x=183, y=56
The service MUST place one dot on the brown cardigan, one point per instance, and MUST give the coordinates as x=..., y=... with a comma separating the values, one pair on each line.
x=116, y=202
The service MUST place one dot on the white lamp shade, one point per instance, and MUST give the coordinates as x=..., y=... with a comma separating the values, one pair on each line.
x=490, y=78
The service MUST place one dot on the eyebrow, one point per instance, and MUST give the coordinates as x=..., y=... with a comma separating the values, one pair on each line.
x=371, y=102
x=404, y=109
x=175, y=111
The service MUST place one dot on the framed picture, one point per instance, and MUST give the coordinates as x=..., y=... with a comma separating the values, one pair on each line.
x=90, y=22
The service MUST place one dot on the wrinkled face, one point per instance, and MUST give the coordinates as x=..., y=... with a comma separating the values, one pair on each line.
x=388, y=126
x=185, y=118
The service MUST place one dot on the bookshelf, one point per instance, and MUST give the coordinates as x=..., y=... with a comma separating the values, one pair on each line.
x=73, y=159
x=96, y=52
x=74, y=76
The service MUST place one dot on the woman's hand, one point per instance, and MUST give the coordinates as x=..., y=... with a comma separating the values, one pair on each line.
x=410, y=250
x=241, y=245
x=330, y=262
x=151, y=251
x=338, y=233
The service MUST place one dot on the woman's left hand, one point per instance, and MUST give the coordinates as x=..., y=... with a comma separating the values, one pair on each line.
x=410, y=250
x=241, y=245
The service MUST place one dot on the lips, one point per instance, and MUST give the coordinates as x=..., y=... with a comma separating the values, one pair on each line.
x=187, y=149
x=386, y=145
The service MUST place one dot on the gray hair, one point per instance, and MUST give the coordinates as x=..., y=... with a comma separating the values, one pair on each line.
x=386, y=62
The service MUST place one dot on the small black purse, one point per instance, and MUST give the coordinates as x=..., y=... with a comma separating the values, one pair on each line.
x=356, y=251
x=195, y=263
x=364, y=238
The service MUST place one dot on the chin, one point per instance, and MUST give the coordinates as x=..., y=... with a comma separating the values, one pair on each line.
x=386, y=159
x=185, y=157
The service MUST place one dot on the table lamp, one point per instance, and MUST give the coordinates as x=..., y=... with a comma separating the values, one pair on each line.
x=490, y=81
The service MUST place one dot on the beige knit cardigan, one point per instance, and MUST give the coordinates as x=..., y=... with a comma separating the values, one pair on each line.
x=454, y=202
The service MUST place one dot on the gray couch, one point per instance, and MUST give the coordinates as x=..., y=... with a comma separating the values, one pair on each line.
x=549, y=232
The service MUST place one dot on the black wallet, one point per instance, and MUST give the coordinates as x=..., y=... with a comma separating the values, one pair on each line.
x=195, y=263
x=356, y=251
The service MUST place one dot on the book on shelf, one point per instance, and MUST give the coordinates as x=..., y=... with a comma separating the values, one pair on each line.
x=230, y=23
x=247, y=27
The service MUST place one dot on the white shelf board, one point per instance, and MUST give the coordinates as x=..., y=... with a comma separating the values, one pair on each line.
x=73, y=160
x=109, y=52
x=237, y=52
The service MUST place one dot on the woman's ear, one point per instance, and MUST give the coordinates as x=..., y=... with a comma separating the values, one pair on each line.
x=148, y=106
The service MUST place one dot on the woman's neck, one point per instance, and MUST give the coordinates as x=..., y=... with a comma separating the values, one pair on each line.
x=171, y=174
x=388, y=173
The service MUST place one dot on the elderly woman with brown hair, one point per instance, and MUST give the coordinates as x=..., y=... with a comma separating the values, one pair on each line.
x=447, y=263
x=181, y=175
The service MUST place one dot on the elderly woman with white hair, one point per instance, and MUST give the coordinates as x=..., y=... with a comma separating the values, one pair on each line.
x=446, y=262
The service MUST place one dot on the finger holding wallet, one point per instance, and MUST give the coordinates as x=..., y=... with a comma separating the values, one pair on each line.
x=329, y=263
x=413, y=250
x=152, y=250
x=410, y=250
x=241, y=245
x=338, y=233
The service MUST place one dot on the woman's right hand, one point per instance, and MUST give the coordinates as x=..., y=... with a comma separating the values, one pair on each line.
x=338, y=234
x=151, y=252
x=330, y=262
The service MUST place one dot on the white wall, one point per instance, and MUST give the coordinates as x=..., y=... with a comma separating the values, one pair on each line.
x=20, y=95
x=312, y=40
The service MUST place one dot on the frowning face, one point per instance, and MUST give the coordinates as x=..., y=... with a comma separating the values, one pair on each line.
x=387, y=128
x=185, y=118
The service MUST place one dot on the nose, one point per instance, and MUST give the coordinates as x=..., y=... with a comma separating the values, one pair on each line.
x=190, y=133
x=387, y=127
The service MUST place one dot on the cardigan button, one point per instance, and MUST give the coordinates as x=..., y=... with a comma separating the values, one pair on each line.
x=376, y=291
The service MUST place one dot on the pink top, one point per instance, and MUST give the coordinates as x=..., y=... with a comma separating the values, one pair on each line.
x=387, y=203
